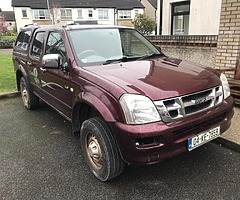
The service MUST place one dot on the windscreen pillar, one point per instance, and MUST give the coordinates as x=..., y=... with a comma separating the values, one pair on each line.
x=228, y=45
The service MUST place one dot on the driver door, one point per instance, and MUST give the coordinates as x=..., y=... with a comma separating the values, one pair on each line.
x=55, y=82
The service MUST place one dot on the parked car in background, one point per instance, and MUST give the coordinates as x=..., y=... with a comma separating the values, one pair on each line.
x=128, y=102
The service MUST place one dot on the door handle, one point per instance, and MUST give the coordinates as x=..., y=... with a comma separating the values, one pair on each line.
x=66, y=87
x=42, y=69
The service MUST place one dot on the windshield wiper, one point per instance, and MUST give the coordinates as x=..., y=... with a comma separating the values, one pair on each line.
x=152, y=55
x=122, y=59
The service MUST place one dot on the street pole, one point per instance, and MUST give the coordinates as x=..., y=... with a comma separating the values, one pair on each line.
x=48, y=7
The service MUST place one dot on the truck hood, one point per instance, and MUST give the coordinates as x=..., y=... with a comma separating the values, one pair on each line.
x=158, y=78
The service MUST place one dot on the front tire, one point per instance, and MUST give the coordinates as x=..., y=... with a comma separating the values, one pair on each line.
x=30, y=100
x=100, y=150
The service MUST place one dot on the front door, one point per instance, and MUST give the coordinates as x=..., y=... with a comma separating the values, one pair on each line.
x=55, y=83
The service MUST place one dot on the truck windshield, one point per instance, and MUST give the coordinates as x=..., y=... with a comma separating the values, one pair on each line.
x=108, y=45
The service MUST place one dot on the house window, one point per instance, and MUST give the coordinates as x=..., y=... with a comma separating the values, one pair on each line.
x=124, y=14
x=90, y=13
x=102, y=14
x=41, y=14
x=24, y=13
x=66, y=14
x=80, y=14
x=136, y=12
x=180, y=18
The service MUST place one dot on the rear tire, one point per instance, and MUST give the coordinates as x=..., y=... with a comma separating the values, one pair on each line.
x=100, y=150
x=30, y=100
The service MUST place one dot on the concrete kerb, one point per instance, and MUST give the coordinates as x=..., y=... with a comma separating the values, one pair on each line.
x=221, y=140
x=227, y=143
x=4, y=95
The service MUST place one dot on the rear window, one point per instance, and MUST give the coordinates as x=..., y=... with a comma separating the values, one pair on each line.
x=23, y=40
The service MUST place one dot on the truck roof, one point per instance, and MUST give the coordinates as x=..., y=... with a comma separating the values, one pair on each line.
x=70, y=26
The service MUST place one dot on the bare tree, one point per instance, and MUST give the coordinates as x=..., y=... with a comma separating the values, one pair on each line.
x=55, y=12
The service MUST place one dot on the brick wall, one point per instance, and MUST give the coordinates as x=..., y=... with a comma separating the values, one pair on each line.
x=228, y=45
x=196, y=48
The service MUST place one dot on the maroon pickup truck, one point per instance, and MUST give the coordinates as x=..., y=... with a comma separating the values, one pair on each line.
x=128, y=102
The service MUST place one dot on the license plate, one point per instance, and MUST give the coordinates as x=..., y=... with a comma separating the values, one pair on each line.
x=203, y=138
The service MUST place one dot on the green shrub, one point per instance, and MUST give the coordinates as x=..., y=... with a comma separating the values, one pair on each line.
x=7, y=42
x=144, y=24
x=10, y=33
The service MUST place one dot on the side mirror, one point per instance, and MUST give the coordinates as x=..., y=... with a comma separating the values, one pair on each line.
x=52, y=61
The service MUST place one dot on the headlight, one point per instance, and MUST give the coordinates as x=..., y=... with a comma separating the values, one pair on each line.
x=226, y=89
x=139, y=109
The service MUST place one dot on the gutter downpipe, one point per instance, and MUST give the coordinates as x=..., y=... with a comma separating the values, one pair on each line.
x=160, y=17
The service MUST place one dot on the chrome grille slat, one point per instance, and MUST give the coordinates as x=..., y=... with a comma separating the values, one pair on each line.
x=174, y=107
x=178, y=107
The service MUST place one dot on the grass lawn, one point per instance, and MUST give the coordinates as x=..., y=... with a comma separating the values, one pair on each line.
x=7, y=75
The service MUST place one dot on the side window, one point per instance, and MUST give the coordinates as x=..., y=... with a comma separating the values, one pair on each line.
x=55, y=44
x=37, y=46
x=23, y=40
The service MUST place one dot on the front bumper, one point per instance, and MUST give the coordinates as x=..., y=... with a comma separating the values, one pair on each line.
x=150, y=143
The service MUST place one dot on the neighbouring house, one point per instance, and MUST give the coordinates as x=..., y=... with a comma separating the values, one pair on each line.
x=185, y=17
x=108, y=12
x=150, y=8
x=10, y=19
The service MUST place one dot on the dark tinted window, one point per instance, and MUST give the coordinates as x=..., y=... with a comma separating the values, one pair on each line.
x=37, y=46
x=55, y=44
x=23, y=40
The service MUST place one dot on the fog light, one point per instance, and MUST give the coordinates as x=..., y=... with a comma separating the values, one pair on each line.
x=147, y=142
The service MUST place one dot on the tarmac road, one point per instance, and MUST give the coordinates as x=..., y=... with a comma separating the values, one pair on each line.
x=40, y=159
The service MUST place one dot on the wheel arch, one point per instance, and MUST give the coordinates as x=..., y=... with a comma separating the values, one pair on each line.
x=20, y=72
x=87, y=107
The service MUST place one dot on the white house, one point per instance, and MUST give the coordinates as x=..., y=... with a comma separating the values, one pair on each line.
x=188, y=17
x=108, y=12
x=150, y=8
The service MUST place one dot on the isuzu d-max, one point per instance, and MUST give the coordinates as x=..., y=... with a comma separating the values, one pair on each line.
x=128, y=102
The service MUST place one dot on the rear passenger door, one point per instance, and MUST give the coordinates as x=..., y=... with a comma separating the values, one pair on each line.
x=34, y=61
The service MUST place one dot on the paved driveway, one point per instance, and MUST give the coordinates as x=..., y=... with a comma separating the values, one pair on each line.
x=40, y=159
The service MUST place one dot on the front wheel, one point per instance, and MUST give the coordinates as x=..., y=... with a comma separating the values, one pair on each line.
x=30, y=100
x=100, y=150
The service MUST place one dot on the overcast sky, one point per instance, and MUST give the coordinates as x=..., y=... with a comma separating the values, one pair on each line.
x=5, y=5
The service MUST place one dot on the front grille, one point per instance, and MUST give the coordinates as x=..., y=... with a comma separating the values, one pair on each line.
x=178, y=107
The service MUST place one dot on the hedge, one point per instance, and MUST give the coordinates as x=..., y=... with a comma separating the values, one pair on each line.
x=7, y=42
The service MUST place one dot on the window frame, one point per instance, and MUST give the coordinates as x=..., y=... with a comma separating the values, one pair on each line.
x=20, y=47
x=80, y=11
x=90, y=10
x=104, y=11
x=24, y=10
x=46, y=14
x=174, y=14
x=136, y=12
x=121, y=14
x=42, y=47
x=66, y=17
x=47, y=39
